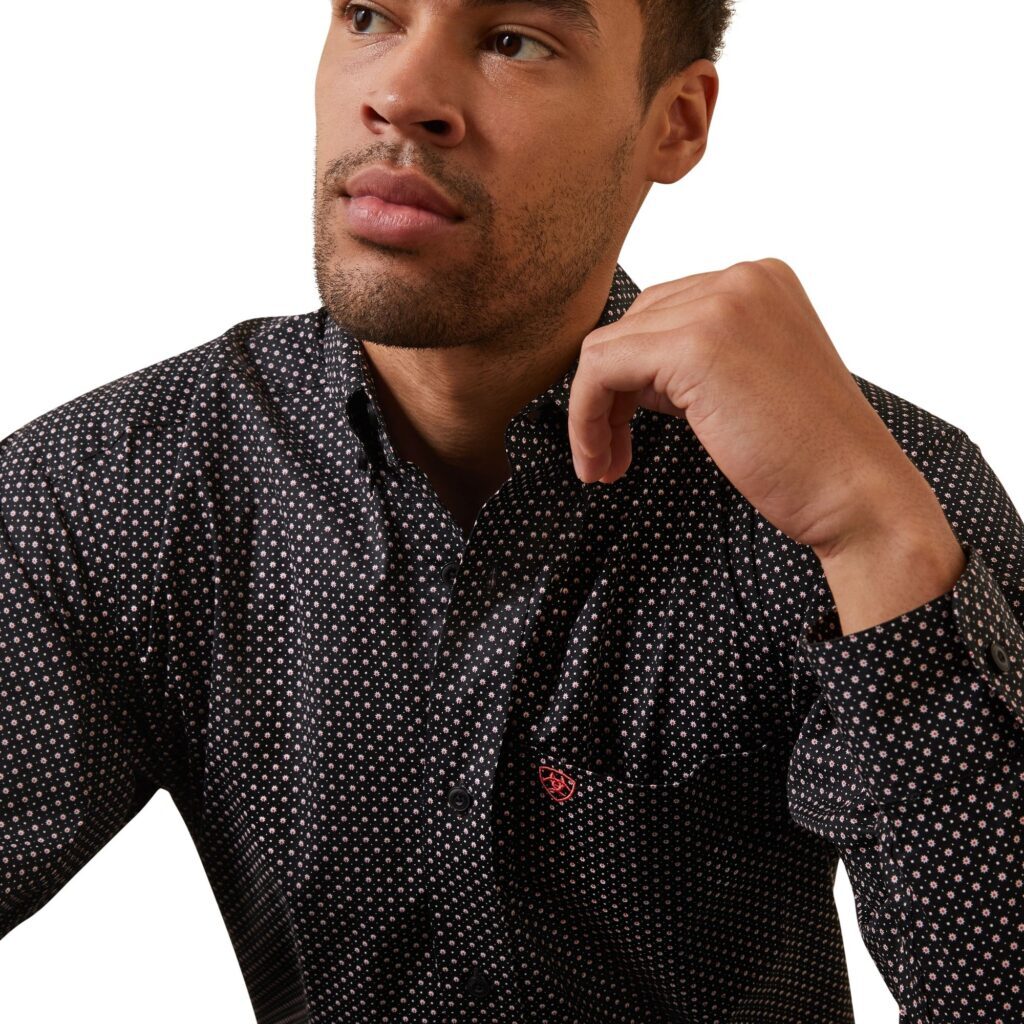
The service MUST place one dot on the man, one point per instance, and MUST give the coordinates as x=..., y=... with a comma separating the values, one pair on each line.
x=518, y=647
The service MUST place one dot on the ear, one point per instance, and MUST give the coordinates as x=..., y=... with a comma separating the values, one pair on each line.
x=681, y=116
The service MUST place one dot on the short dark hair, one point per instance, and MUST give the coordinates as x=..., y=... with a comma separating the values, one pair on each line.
x=676, y=33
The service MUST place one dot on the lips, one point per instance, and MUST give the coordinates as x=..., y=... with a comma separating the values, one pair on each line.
x=405, y=188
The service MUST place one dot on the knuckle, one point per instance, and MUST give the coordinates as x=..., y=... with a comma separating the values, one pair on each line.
x=747, y=273
x=725, y=306
x=655, y=291
x=759, y=274
x=590, y=353
x=778, y=266
x=600, y=336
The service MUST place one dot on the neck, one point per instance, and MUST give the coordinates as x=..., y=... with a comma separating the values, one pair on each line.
x=447, y=408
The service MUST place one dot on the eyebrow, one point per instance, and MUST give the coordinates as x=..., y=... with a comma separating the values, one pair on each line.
x=577, y=13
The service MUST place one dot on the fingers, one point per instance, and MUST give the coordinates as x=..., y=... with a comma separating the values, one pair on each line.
x=658, y=353
x=605, y=393
x=658, y=294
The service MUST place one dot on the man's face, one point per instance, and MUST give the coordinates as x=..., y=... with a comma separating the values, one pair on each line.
x=523, y=119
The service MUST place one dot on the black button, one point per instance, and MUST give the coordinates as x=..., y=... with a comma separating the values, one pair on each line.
x=448, y=572
x=997, y=653
x=362, y=462
x=478, y=984
x=542, y=412
x=460, y=799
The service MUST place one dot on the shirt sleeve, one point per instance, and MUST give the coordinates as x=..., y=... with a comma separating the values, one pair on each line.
x=70, y=749
x=910, y=761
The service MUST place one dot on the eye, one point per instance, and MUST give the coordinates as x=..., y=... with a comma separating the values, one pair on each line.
x=505, y=34
x=360, y=17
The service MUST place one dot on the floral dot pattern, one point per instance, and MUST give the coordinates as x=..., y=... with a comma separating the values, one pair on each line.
x=594, y=763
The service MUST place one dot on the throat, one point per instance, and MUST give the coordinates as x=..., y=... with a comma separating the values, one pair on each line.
x=464, y=494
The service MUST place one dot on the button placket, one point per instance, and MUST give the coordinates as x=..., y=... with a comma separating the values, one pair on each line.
x=469, y=706
x=458, y=821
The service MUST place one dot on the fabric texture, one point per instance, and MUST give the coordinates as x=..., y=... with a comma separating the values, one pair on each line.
x=595, y=764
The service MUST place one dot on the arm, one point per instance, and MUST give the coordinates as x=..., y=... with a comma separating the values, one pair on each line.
x=70, y=749
x=916, y=735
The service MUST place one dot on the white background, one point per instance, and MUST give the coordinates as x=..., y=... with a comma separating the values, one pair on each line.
x=157, y=189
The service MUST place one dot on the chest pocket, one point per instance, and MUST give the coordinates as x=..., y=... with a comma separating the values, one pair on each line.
x=668, y=893
x=659, y=723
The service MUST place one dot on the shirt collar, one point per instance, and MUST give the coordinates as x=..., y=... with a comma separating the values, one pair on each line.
x=348, y=375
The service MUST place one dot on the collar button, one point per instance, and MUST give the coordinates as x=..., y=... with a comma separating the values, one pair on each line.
x=542, y=412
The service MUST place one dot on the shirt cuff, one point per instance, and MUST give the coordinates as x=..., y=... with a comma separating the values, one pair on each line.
x=928, y=695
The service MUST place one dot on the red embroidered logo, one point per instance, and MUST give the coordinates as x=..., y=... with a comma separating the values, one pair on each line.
x=558, y=785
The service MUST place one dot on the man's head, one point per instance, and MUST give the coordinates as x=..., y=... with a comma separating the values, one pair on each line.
x=544, y=122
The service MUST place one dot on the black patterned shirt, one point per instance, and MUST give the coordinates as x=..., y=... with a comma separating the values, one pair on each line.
x=594, y=764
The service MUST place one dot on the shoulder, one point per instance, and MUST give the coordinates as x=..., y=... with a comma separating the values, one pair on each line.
x=157, y=401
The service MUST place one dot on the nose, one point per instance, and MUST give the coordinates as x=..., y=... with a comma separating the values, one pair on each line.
x=412, y=95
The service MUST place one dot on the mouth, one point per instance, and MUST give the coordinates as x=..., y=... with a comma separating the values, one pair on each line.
x=393, y=206
x=385, y=222
x=401, y=188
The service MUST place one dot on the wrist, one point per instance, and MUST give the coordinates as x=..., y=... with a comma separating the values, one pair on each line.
x=881, y=573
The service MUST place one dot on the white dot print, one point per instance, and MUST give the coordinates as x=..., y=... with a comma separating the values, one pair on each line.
x=595, y=763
